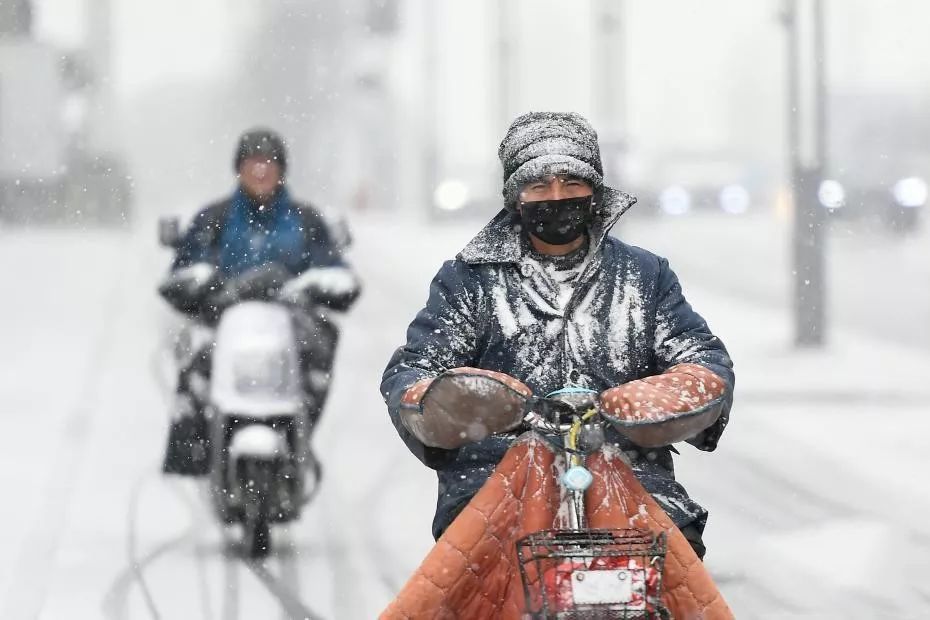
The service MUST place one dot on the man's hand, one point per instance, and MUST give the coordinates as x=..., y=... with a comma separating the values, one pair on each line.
x=463, y=405
x=336, y=287
x=666, y=408
x=186, y=288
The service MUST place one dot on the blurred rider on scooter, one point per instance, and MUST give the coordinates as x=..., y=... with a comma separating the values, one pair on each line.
x=258, y=225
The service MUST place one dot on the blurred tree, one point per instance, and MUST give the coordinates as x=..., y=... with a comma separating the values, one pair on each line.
x=381, y=16
x=15, y=18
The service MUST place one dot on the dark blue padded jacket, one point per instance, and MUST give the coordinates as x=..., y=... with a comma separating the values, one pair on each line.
x=493, y=307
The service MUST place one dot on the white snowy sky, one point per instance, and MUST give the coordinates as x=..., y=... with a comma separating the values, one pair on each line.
x=875, y=42
x=706, y=75
x=154, y=40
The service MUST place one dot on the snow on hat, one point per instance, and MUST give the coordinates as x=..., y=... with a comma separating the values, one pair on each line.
x=539, y=144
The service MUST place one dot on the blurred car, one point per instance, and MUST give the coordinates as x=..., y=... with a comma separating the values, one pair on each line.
x=694, y=182
x=895, y=205
x=879, y=161
x=473, y=195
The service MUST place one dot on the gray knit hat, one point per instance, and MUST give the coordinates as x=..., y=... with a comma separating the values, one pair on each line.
x=539, y=144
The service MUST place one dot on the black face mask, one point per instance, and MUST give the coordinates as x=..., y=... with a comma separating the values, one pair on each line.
x=557, y=221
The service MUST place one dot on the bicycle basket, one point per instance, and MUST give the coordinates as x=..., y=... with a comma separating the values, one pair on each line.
x=593, y=574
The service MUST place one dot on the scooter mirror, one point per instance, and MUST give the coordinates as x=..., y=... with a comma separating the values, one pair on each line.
x=169, y=232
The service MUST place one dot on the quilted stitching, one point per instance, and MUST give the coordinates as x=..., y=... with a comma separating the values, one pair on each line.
x=617, y=499
x=472, y=570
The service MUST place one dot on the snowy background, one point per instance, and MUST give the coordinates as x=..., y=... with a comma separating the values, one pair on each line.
x=817, y=493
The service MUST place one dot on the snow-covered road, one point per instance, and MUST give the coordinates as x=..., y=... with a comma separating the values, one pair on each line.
x=815, y=497
x=876, y=283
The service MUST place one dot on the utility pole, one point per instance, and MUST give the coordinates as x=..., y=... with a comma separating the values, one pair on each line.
x=609, y=51
x=98, y=17
x=430, y=135
x=807, y=156
x=505, y=38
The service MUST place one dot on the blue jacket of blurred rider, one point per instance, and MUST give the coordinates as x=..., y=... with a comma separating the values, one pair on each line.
x=235, y=236
x=493, y=308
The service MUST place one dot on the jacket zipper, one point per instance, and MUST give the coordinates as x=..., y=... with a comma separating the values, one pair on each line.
x=570, y=308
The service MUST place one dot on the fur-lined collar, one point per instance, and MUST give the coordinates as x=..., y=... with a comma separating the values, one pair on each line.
x=499, y=241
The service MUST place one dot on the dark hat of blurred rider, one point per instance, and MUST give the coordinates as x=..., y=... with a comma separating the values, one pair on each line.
x=261, y=142
x=260, y=163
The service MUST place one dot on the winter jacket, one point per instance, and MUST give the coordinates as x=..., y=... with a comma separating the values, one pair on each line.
x=294, y=233
x=494, y=307
x=232, y=236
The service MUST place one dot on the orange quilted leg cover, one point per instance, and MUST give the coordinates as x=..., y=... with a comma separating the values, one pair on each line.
x=472, y=570
x=616, y=499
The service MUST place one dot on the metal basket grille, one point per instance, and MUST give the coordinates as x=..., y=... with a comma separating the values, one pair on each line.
x=593, y=574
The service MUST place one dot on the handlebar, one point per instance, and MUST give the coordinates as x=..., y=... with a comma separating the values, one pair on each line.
x=573, y=415
x=261, y=283
x=563, y=411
